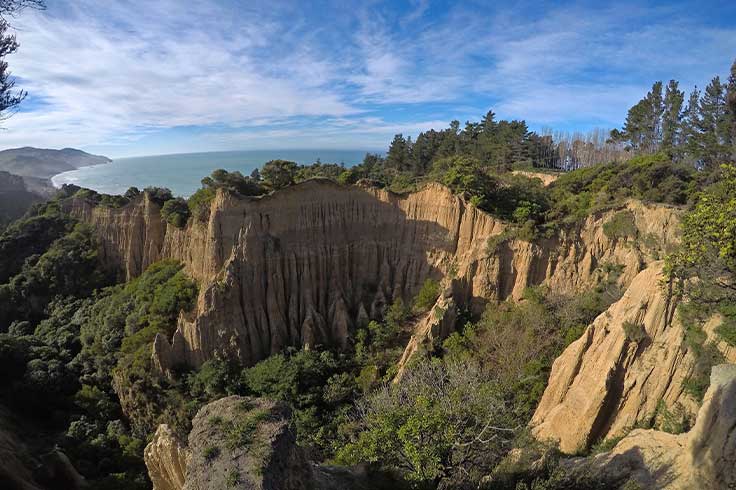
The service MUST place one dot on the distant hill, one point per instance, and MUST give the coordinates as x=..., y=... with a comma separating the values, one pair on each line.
x=43, y=163
x=16, y=196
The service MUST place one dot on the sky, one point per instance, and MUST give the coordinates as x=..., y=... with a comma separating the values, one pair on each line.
x=143, y=77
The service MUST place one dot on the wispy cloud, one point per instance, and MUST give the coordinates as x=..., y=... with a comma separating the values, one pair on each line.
x=123, y=75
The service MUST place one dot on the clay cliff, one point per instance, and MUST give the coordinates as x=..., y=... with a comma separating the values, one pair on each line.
x=613, y=378
x=303, y=265
x=704, y=457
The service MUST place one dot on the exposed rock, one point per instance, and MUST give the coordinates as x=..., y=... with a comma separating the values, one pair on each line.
x=245, y=443
x=546, y=178
x=166, y=459
x=631, y=358
x=727, y=351
x=435, y=325
x=704, y=458
x=302, y=265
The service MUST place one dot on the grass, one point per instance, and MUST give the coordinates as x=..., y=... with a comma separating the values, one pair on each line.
x=239, y=433
x=211, y=452
x=232, y=479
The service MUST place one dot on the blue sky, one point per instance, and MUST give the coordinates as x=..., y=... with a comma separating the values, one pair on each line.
x=137, y=77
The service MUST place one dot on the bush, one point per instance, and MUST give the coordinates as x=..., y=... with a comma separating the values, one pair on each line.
x=279, y=173
x=159, y=195
x=199, y=202
x=427, y=296
x=621, y=226
x=634, y=332
x=176, y=212
x=427, y=426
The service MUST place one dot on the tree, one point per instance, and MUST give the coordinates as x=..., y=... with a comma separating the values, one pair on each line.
x=10, y=99
x=279, y=173
x=708, y=250
x=731, y=108
x=443, y=421
x=690, y=136
x=671, y=119
x=713, y=124
x=465, y=174
x=643, y=127
x=399, y=154
x=176, y=212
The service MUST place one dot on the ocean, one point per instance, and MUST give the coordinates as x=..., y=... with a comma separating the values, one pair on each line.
x=183, y=172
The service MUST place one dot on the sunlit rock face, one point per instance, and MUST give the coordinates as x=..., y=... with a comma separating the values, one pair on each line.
x=304, y=265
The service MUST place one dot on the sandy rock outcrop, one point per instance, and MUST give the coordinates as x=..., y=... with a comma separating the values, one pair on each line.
x=630, y=359
x=704, y=458
x=546, y=178
x=434, y=325
x=710, y=328
x=246, y=443
x=303, y=265
x=166, y=459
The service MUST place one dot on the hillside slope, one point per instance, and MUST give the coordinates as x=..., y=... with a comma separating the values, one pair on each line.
x=45, y=163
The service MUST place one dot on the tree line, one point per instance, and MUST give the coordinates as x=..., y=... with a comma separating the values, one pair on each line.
x=701, y=132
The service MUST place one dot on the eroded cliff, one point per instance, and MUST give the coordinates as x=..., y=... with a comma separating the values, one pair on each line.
x=304, y=265
x=631, y=359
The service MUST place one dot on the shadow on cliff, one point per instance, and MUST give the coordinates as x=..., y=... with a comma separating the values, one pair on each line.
x=311, y=263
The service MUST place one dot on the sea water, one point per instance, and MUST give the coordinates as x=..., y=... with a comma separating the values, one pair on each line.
x=182, y=173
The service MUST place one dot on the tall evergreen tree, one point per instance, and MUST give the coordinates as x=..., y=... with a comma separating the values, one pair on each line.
x=671, y=119
x=642, y=131
x=731, y=108
x=9, y=97
x=690, y=141
x=399, y=154
x=655, y=111
x=713, y=124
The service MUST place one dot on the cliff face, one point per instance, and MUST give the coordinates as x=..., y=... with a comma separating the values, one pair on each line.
x=302, y=265
x=704, y=457
x=631, y=358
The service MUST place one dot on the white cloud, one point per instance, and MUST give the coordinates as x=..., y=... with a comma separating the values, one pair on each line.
x=117, y=73
x=134, y=70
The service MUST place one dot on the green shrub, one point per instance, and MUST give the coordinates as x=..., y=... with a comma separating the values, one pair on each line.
x=727, y=330
x=621, y=226
x=176, y=212
x=211, y=452
x=279, y=173
x=199, y=202
x=634, y=332
x=159, y=195
x=427, y=296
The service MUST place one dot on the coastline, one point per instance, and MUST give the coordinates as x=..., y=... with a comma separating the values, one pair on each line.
x=54, y=179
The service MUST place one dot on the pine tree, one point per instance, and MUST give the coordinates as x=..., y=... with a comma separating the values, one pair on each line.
x=731, y=108
x=642, y=130
x=671, y=119
x=399, y=156
x=690, y=144
x=655, y=110
x=714, y=130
